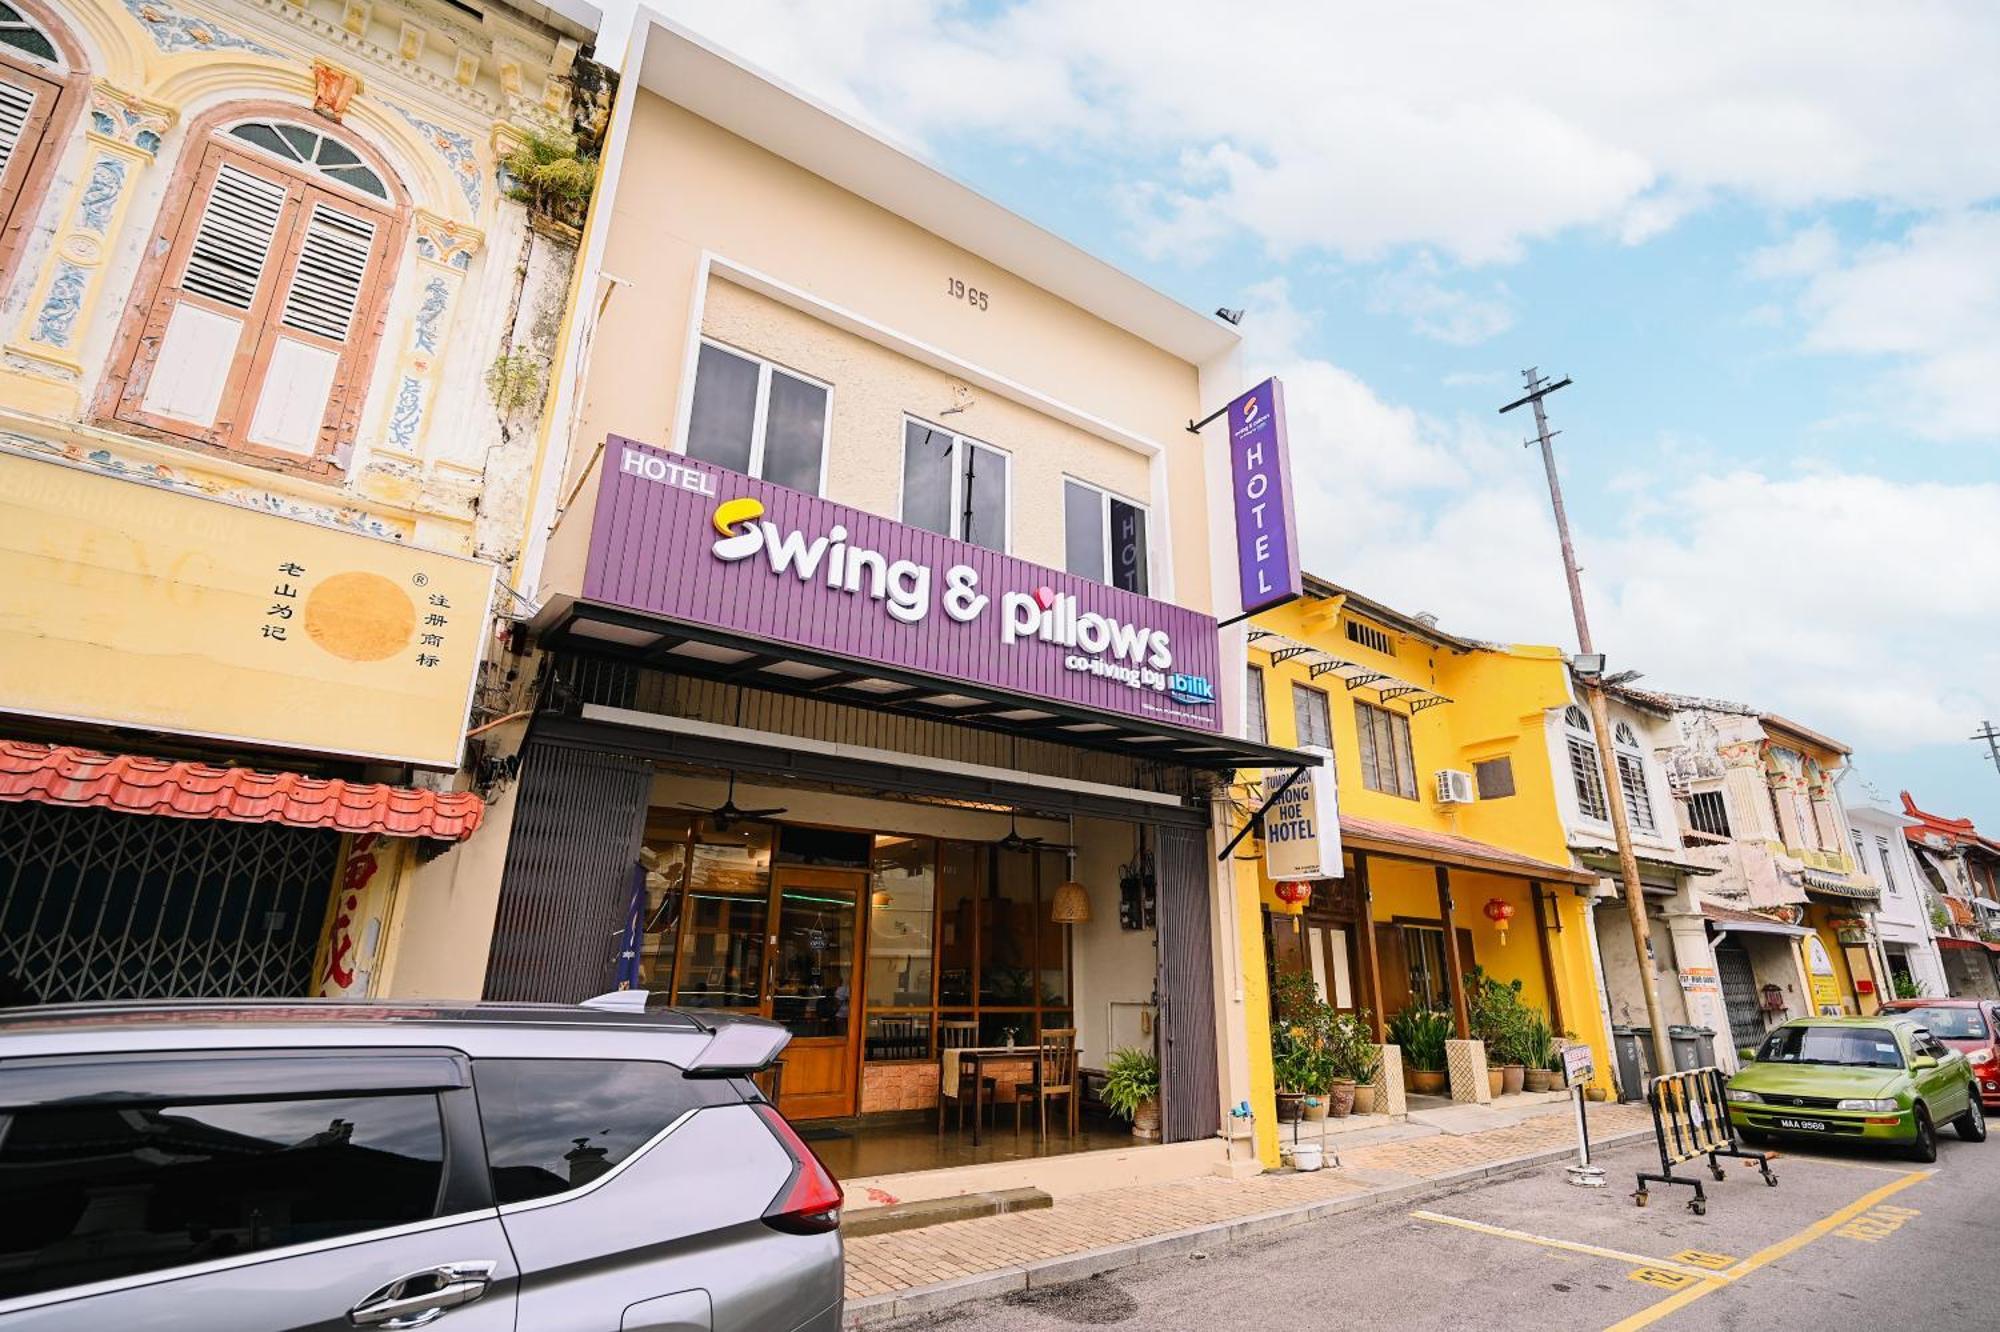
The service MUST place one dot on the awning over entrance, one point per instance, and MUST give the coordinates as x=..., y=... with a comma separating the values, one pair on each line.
x=1388, y=839
x=1974, y=945
x=1730, y=921
x=178, y=788
x=717, y=654
x=1838, y=887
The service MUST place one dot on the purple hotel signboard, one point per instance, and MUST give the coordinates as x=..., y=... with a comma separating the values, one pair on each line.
x=1260, y=484
x=695, y=543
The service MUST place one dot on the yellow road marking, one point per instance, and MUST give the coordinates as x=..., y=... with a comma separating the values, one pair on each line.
x=1663, y=1277
x=1570, y=1246
x=1713, y=1262
x=1766, y=1256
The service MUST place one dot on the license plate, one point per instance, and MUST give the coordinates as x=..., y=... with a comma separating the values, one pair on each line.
x=1811, y=1125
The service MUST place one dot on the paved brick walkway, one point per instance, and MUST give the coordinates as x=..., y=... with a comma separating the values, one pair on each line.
x=882, y=1264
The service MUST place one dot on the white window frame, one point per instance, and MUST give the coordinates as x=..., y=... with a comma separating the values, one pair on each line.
x=1889, y=880
x=760, y=411
x=958, y=443
x=1104, y=498
x=1577, y=734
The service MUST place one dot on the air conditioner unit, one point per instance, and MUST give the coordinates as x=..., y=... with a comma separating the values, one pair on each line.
x=1455, y=787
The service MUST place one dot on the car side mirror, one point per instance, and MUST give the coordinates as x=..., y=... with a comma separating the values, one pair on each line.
x=1924, y=1061
x=1747, y=1053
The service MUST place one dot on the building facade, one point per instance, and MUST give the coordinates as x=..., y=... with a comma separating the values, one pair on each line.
x=1911, y=959
x=1452, y=850
x=258, y=500
x=876, y=667
x=1960, y=868
x=1682, y=962
x=1791, y=916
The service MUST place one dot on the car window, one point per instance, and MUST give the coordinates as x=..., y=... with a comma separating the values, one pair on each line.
x=553, y=1125
x=1931, y=1045
x=1866, y=1047
x=93, y=1192
x=1949, y=1022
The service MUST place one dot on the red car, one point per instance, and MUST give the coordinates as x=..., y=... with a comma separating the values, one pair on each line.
x=1970, y=1025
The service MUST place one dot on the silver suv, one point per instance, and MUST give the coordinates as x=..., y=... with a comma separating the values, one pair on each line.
x=476, y=1168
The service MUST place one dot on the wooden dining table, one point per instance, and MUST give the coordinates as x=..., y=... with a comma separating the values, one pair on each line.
x=978, y=1057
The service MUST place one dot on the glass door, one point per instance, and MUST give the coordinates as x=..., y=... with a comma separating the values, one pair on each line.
x=815, y=947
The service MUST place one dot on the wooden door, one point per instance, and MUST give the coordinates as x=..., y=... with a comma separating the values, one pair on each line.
x=814, y=958
x=1394, y=967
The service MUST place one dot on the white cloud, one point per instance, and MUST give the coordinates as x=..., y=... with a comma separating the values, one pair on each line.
x=1469, y=129
x=1418, y=293
x=1847, y=600
x=1930, y=302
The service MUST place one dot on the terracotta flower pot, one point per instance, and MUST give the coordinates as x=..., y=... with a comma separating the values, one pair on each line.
x=1291, y=1105
x=1511, y=1078
x=1364, y=1099
x=1538, y=1079
x=1146, y=1119
x=1316, y=1107
x=1341, y=1099
x=1427, y=1081
x=1495, y=1082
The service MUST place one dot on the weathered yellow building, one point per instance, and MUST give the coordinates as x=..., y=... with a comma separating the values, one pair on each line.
x=1452, y=842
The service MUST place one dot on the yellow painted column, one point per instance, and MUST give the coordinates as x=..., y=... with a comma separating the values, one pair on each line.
x=1256, y=1007
x=1576, y=978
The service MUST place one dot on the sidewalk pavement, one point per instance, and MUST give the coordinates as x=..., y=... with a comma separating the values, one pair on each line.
x=916, y=1271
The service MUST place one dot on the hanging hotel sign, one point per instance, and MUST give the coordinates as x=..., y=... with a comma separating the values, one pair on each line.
x=682, y=539
x=1260, y=482
x=1302, y=823
x=129, y=604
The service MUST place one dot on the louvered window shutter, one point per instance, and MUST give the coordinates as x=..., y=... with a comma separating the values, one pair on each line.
x=17, y=104
x=232, y=243
x=332, y=267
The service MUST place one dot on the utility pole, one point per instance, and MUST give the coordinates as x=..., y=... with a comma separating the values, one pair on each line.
x=1592, y=680
x=1991, y=736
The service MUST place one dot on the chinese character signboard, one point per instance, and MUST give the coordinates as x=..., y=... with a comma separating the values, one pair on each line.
x=1302, y=825
x=1260, y=483
x=681, y=539
x=134, y=605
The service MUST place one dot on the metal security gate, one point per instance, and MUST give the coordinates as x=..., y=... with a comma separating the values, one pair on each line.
x=566, y=890
x=1190, y=1102
x=99, y=904
x=1740, y=996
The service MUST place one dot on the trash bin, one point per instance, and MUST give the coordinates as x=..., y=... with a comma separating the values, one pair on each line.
x=1687, y=1047
x=1634, y=1050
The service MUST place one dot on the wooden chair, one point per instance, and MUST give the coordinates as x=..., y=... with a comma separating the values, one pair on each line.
x=1058, y=1080
x=954, y=1036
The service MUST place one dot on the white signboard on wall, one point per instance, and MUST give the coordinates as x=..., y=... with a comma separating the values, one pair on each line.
x=1302, y=825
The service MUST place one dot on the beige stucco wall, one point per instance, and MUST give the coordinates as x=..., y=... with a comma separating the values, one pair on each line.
x=687, y=187
x=874, y=389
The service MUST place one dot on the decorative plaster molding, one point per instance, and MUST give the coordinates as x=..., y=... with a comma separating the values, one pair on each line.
x=333, y=89
x=443, y=241
x=457, y=151
x=173, y=31
x=128, y=119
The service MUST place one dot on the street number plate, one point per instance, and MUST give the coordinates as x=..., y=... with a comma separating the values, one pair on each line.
x=1815, y=1125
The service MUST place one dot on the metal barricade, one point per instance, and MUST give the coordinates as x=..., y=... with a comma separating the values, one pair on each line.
x=1691, y=1120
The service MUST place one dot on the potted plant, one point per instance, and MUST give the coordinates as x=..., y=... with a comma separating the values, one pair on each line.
x=1538, y=1051
x=1497, y=1019
x=1352, y=1059
x=1368, y=1063
x=1422, y=1032
x=1301, y=1061
x=1132, y=1090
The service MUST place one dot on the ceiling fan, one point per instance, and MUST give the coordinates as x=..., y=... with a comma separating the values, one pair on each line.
x=727, y=812
x=1013, y=841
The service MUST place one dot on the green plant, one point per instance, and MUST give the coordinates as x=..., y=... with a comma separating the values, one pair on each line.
x=1906, y=986
x=1302, y=1045
x=1421, y=1032
x=551, y=175
x=514, y=381
x=1131, y=1079
x=1537, y=1048
x=1497, y=1015
x=1351, y=1046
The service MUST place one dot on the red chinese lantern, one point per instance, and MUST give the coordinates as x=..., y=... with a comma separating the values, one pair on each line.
x=1500, y=912
x=1294, y=892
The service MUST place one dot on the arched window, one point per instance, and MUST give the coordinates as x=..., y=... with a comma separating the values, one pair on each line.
x=1632, y=777
x=1583, y=766
x=262, y=322
x=32, y=90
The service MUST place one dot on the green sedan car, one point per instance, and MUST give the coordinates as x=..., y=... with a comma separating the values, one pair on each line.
x=1881, y=1079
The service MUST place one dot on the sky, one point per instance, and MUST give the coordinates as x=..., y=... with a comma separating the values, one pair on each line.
x=1763, y=240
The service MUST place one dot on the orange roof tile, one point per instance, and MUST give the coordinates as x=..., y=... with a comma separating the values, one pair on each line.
x=85, y=779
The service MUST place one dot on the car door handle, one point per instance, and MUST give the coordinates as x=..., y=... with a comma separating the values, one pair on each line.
x=422, y=1297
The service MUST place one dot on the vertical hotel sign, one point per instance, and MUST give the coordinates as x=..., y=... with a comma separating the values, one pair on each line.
x=1260, y=476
